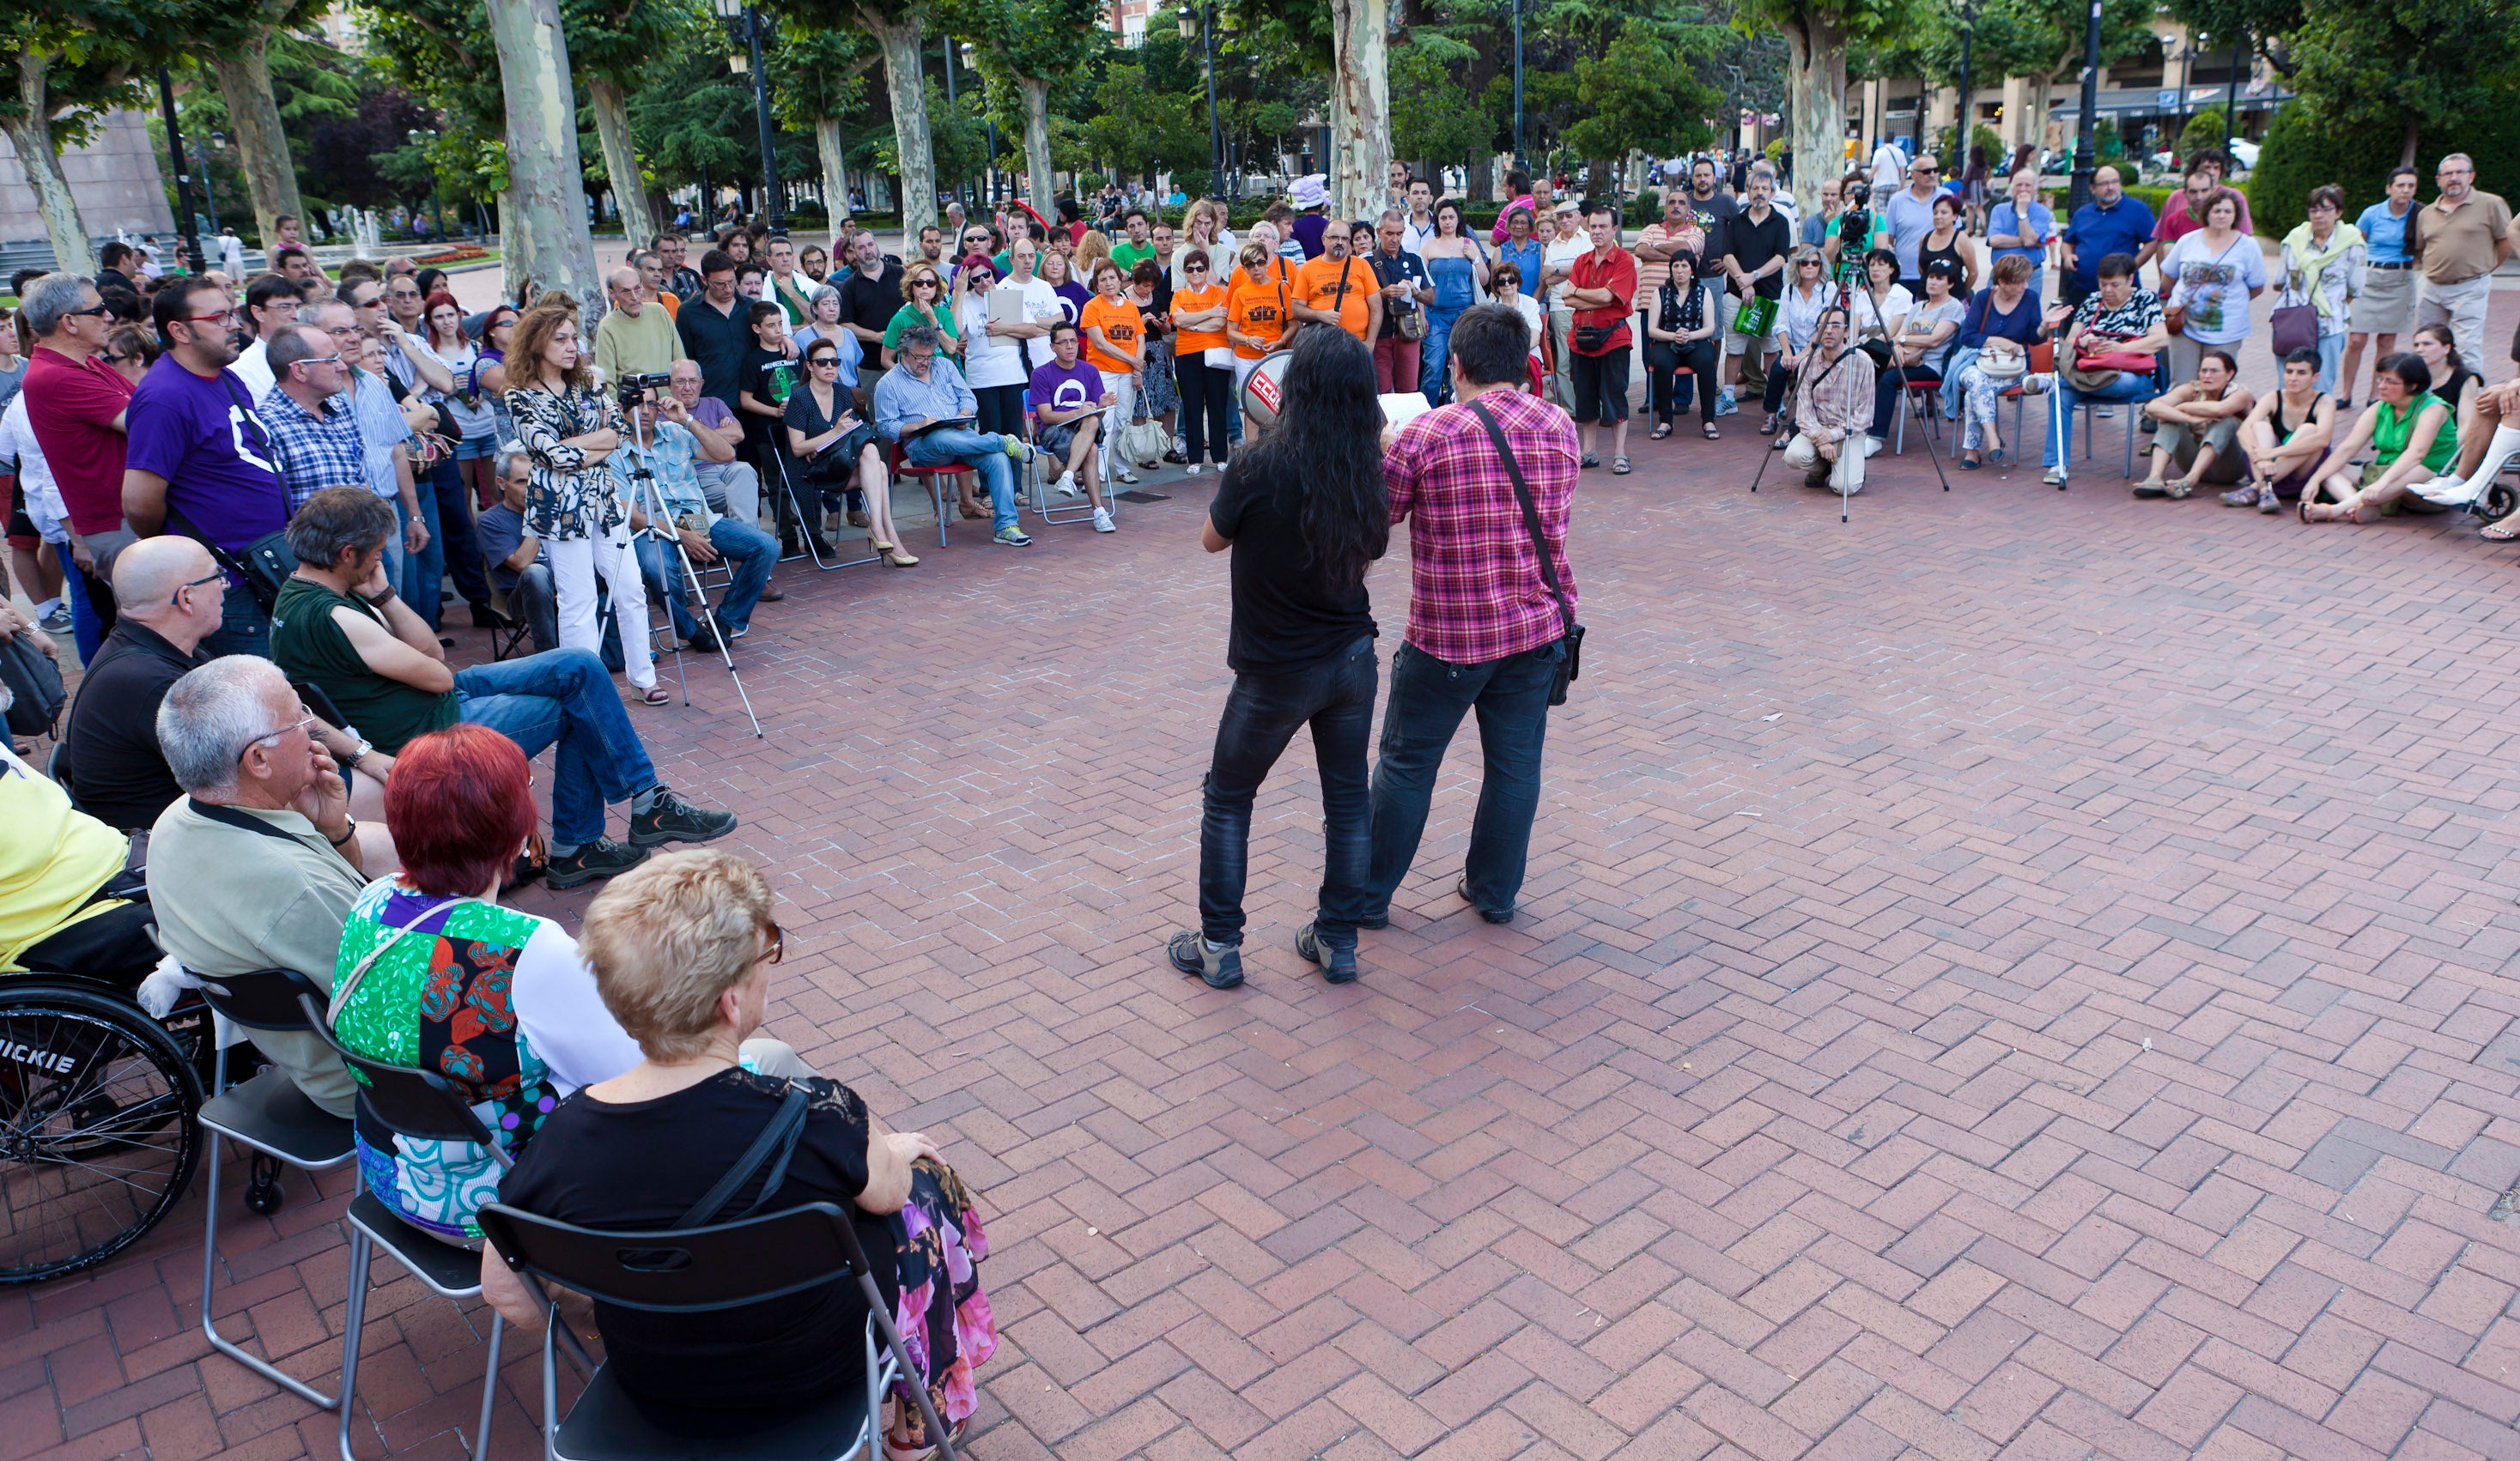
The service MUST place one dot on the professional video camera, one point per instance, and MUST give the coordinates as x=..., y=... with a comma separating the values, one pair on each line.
x=1853, y=233
x=633, y=390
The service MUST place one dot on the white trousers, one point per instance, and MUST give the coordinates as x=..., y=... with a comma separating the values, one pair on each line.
x=1123, y=387
x=574, y=566
x=1846, y=476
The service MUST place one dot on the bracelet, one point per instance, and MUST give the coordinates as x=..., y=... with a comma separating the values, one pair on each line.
x=381, y=600
x=348, y=833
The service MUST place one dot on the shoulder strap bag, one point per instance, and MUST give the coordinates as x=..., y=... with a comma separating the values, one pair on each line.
x=1571, y=663
x=773, y=1148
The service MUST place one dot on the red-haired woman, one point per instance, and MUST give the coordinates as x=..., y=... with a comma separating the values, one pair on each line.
x=468, y=419
x=433, y=973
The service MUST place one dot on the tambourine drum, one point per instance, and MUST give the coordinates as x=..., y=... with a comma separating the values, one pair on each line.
x=1265, y=389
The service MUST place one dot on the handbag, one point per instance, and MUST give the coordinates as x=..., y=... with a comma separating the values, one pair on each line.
x=2293, y=327
x=1411, y=322
x=35, y=682
x=264, y=565
x=2135, y=362
x=2174, y=318
x=1142, y=442
x=1571, y=664
x=2003, y=360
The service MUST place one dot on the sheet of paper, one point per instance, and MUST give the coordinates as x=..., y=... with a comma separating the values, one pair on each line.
x=1403, y=407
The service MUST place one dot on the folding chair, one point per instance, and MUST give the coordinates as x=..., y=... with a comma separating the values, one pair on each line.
x=897, y=465
x=697, y=1270
x=1038, y=479
x=2041, y=361
x=270, y=1117
x=1920, y=400
x=508, y=636
x=808, y=527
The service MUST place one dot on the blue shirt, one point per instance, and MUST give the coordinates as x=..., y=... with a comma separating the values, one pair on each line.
x=313, y=449
x=1527, y=258
x=2098, y=232
x=901, y=397
x=2384, y=234
x=382, y=428
x=2003, y=219
x=669, y=455
x=1910, y=222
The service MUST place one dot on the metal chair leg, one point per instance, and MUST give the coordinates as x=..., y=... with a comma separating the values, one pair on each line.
x=354, y=1320
x=209, y=1277
x=909, y=1374
x=489, y=1386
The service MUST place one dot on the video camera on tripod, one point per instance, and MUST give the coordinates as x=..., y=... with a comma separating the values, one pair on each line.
x=1854, y=233
x=633, y=390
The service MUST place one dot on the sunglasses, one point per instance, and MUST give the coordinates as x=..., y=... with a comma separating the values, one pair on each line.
x=778, y=948
x=207, y=579
x=819, y=360
x=1194, y=268
x=99, y=311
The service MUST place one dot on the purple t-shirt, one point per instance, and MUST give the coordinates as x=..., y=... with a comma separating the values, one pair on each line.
x=202, y=436
x=1065, y=387
x=712, y=413
x=1073, y=299
x=1308, y=233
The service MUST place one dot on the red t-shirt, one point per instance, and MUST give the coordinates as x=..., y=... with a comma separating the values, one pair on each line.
x=71, y=405
x=1618, y=275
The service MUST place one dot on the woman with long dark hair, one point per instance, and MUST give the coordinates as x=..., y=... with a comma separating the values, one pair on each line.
x=1304, y=511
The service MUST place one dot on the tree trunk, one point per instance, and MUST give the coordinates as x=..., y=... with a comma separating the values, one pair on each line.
x=1815, y=92
x=2407, y=148
x=547, y=241
x=620, y=160
x=901, y=40
x=1040, y=184
x=1360, y=160
x=32, y=137
x=262, y=147
x=2041, y=85
x=1478, y=178
x=834, y=151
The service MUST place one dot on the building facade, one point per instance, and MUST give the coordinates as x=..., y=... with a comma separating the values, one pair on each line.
x=116, y=178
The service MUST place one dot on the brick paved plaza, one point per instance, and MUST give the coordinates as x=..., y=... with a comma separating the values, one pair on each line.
x=2022, y=973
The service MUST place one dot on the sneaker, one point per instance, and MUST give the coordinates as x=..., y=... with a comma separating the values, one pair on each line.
x=601, y=857
x=2105, y=413
x=1221, y=968
x=1011, y=536
x=2055, y=478
x=58, y=620
x=2268, y=501
x=2240, y=497
x=1067, y=485
x=1126, y=477
x=1339, y=965
x=1871, y=447
x=1017, y=451
x=670, y=818
x=1725, y=405
x=1193, y=470
x=1103, y=522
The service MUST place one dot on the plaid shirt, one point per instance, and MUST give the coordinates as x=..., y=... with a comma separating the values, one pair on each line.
x=313, y=451
x=1475, y=592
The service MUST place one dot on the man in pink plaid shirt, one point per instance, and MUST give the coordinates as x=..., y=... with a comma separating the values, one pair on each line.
x=1484, y=631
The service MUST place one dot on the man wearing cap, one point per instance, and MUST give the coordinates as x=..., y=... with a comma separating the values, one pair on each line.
x=1311, y=196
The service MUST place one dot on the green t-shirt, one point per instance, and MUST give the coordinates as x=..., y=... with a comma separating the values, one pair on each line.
x=1127, y=254
x=908, y=316
x=2391, y=429
x=307, y=645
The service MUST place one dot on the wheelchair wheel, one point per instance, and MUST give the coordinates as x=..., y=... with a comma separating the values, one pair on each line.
x=98, y=1127
x=2500, y=502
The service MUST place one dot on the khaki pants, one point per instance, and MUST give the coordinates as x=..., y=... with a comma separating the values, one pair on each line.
x=1561, y=379
x=2460, y=306
x=1846, y=476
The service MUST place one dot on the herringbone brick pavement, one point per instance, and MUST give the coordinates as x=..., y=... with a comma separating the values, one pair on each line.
x=2020, y=974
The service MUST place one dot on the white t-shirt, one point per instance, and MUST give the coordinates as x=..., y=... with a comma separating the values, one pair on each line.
x=1869, y=323
x=253, y=368
x=1529, y=309
x=1562, y=253
x=1413, y=236
x=1889, y=168
x=44, y=506
x=1005, y=363
x=562, y=1017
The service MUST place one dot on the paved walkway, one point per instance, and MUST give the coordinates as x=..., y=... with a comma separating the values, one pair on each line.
x=2020, y=973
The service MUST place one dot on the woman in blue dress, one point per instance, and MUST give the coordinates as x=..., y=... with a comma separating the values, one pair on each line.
x=1458, y=268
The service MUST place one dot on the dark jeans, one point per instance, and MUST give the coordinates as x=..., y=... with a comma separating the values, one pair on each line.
x=1780, y=389
x=1207, y=400
x=1428, y=698
x=536, y=603
x=243, y=628
x=1000, y=408
x=1261, y=715
x=1663, y=360
x=563, y=697
x=749, y=550
x=1886, y=392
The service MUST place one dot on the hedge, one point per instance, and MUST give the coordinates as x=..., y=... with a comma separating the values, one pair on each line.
x=2300, y=154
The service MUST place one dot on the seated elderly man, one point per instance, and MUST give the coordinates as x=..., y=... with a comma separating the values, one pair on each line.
x=517, y=563
x=258, y=864
x=340, y=624
x=729, y=483
x=926, y=407
x=665, y=461
x=681, y=950
x=171, y=596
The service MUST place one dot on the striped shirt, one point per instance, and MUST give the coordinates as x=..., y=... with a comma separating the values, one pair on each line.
x=1475, y=591
x=313, y=451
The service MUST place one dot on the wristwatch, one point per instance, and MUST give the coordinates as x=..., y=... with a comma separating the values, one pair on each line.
x=349, y=829
x=358, y=754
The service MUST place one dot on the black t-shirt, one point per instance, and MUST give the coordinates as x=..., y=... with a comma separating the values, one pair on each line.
x=770, y=375
x=869, y=301
x=1411, y=270
x=1715, y=215
x=116, y=761
x=1754, y=243
x=1287, y=615
x=718, y=342
x=642, y=1165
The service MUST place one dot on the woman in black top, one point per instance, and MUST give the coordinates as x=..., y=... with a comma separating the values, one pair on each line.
x=1304, y=511
x=835, y=451
x=1943, y=241
x=1680, y=333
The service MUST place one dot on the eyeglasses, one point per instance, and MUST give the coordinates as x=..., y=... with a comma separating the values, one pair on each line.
x=99, y=311
x=304, y=721
x=912, y=357
x=320, y=360
x=778, y=948
x=217, y=319
x=177, y=598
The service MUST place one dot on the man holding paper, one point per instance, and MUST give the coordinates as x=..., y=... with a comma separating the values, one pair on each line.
x=925, y=406
x=1068, y=402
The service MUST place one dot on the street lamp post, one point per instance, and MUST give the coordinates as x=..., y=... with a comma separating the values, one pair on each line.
x=744, y=24
x=183, y=225
x=1203, y=25
x=1963, y=122
x=2087, y=118
x=1521, y=158
x=2232, y=99
x=955, y=192
x=990, y=124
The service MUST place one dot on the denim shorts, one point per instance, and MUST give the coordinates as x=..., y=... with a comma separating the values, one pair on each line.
x=475, y=448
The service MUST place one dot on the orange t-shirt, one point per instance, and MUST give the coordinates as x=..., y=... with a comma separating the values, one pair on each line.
x=1119, y=322
x=1319, y=287
x=1187, y=341
x=1258, y=310
x=673, y=305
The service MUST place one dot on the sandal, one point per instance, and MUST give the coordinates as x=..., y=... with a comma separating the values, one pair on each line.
x=1592, y=461
x=970, y=511
x=1661, y=432
x=1711, y=434
x=2179, y=489
x=1969, y=460
x=656, y=694
x=1619, y=467
x=2495, y=532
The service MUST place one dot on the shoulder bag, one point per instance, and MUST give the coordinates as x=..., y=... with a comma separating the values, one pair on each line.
x=35, y=682
x=264, y=564
x=774, y=1147
x=1410, y=322
x=1571, y=663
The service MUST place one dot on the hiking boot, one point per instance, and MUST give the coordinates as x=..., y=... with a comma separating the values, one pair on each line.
x=599, y=859
x=1339, y=965
x=1221, y=968
x=670, y=818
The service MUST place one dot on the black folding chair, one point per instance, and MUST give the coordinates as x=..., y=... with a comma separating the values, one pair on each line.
x=697, y=1270
x=270, y=1117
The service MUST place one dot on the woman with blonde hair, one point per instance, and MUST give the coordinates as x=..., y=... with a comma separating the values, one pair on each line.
x=1204, y=227
x=923, y=302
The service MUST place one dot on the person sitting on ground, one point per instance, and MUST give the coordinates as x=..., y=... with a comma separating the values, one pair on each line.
x=2490, y=442
x=682, y=951
x=2453, y=381
x=518, y=562
x=340, y=625
x=1070, y=403
x=2285, y=436
x=841, y=458
x=925, y=406
x=259, y=863
x=664, y=462
x=2409, y=429
x=1832, y=408
x=433, y=973
x=172, y=597
x=2200, y=429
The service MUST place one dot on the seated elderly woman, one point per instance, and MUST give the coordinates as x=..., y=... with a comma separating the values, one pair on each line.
x=2200, y=429
x=682, y=950
x=2409, y=431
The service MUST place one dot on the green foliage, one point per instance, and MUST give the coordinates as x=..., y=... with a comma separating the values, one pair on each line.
x=958, y=141
x=1642, y=94
x=2302, y=153
x=818, y=71
x=1983, y=136
x=1137, y=130
x=2042, y=39
x=693, y=118
x=1428, y=121
x=2203, y=133
x=93, y=54
x=2399, y=70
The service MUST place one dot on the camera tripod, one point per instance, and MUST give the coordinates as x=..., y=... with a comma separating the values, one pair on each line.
x=650, y=498
x=1899, y=373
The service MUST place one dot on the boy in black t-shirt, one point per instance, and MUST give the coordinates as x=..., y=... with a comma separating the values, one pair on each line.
x=768, y=376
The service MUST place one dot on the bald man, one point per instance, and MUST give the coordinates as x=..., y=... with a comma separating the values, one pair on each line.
x=637, y=338
x=172, y=597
